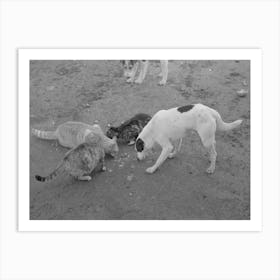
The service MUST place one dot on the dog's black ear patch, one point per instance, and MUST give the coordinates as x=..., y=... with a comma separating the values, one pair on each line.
x=139, y=145
x=185, y=108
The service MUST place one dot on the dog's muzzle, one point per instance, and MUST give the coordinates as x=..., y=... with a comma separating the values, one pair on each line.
x=140, y=156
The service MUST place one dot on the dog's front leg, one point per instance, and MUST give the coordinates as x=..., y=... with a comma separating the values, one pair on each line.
x=163, y=156
x=143, y=72
x=133, y=73
x=164, y=72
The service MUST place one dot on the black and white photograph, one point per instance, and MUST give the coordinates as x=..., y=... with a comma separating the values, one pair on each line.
x=140, y=139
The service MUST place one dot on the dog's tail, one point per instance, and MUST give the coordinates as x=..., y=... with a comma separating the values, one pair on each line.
x=223, y=126
x=50, y=135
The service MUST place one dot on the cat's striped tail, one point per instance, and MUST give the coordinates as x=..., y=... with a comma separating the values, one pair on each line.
x=52, y=175
x=50, y=135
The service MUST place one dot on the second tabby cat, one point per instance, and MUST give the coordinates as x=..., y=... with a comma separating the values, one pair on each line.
x=80, y=161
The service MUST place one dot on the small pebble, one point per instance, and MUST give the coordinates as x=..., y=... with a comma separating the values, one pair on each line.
x=242, y=92
x=130, y=177
x=50, y=88
x=183, y=88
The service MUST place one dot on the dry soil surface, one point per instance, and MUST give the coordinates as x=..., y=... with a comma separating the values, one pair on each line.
x=96, y=92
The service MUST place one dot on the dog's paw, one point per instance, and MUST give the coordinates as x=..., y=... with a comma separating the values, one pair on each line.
x=129, y=81
x=138, y=81
x=132, y=142
x=172, y=155
x=150, y=170
x=103, y=168
x=210, y=170
x=162, y=83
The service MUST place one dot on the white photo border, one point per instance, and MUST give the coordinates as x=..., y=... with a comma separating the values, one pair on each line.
x=255, y=222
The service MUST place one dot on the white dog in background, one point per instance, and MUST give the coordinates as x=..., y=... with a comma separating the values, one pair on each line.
x=131, y=68
x=167, y=126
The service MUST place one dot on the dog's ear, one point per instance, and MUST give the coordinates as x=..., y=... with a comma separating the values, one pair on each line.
x=139, y=145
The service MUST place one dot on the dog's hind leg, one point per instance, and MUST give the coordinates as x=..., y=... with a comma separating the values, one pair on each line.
x=166, y=150
x=206, y=132
x=133, y=73
x=176, y=149
x=164, y=72
x=143, y=71
x=213, y=155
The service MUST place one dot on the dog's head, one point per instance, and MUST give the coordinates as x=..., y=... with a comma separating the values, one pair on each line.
x=128, y=66
x=140, y=148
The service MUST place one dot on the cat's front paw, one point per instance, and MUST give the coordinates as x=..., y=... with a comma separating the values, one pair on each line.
x=129, y=81
x=151, y=170
x=131, y=142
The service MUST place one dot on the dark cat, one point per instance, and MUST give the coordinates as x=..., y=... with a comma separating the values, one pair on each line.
x=129, y=130
x=80, y=161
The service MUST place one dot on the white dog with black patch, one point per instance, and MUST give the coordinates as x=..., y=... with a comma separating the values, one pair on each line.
x=169, y=126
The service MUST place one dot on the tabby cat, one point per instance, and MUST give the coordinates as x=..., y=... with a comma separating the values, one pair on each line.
x=71, y=134
x=80, y=161
x=128, y=131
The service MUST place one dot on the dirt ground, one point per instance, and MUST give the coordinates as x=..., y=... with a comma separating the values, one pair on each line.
x=96, y=92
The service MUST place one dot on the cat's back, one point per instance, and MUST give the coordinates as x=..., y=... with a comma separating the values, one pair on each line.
x=140, y=119
x=73, y=127
x=71, y=134
x=85, y=156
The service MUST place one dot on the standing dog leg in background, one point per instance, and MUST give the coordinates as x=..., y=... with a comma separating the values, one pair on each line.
x=164, y=72
x=133, y=73
x=130, y=69
x=143, y=71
